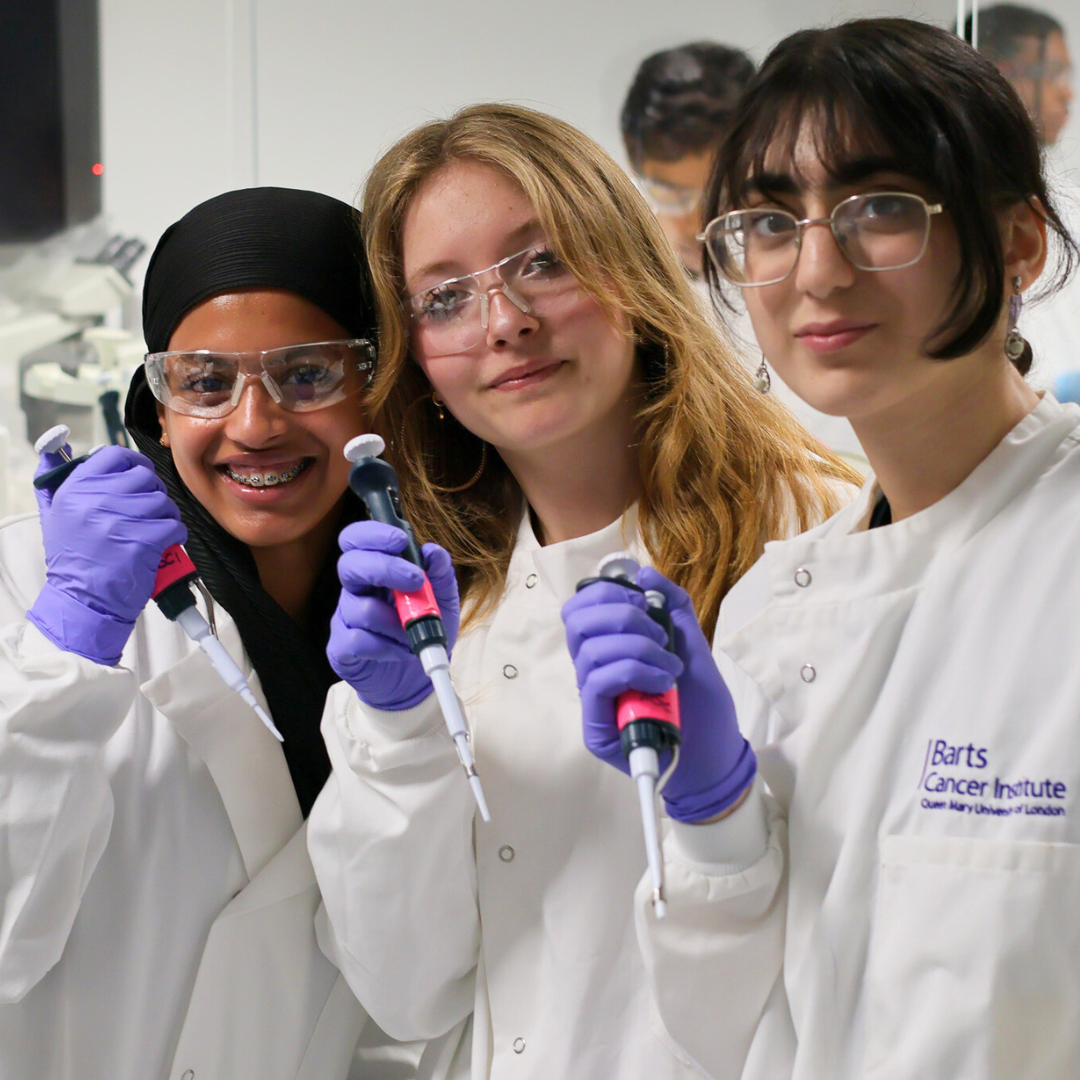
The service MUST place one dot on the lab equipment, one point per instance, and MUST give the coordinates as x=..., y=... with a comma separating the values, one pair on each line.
x=80, y=383
x=375, y=482
x=172, y=584
x=649, y=724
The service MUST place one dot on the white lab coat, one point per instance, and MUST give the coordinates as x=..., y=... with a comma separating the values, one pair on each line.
x=156, y=899
x=525, y=923
x=923, y=921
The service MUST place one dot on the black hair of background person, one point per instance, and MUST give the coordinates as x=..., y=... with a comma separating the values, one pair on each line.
x=1003, y=27
x=271, y=238
x=932, y=107
x=681, y=99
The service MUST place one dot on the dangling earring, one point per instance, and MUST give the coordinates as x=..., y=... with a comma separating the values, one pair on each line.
x=433, y=397
x=162, y=441
x=762, y=379
x=1014, y=340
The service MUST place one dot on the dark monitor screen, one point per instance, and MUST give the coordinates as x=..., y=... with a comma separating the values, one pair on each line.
x=50, y=122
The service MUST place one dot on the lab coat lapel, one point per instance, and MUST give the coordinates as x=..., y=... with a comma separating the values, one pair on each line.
x=561, y=566
x=850, y=566
x=244, y=759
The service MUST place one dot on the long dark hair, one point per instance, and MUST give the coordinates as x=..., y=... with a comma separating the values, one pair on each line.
x=927, y=100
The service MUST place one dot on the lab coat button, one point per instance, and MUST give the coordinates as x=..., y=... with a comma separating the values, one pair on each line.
x=188, y=1074
x=510, y=671
x=802, y=577
x=506, y=853
x=808, y=673
x=519, y=1045
x=530, y=581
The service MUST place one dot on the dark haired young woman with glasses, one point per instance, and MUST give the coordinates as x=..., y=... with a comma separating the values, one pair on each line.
x=157, y=905
x=896, y=896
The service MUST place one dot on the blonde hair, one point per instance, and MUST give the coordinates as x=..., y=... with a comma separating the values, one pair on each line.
x=723, y=468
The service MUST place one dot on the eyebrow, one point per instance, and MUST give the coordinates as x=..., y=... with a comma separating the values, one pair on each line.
x=449, y=268
x=843, y=175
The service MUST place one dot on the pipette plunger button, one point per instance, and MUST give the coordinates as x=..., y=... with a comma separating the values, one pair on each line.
x=53, y=441
x=364, y=446
x=619, y=564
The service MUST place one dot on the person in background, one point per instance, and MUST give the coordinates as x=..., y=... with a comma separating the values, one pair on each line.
x=672, y=121
x=1029, y=48
x=157, y=905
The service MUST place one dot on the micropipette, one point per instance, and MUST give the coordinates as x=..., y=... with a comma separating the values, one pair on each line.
x=648, y=723
x=172, y=584
x=375, y=481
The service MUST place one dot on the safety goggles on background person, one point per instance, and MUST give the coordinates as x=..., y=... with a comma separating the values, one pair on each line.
x=668, y=200
x=882, y=230
x=300, y=378
x=1053, y=72
x=452, y=316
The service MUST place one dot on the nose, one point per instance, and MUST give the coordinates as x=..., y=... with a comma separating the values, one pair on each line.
x=822, y=266
x=506, y=321
x=257, y=419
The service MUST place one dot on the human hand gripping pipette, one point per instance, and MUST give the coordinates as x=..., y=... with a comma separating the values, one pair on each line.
x=392, y=657
x=627, y=658
x=113, y=541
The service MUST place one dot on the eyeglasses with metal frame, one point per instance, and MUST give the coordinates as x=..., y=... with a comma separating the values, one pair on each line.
x=875, y=231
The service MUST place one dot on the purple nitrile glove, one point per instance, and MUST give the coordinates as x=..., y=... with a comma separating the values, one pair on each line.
x=617, y=647
x=368, y=647
x=104, y=531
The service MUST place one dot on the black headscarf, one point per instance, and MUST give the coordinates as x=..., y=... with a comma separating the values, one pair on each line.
x=271, y=238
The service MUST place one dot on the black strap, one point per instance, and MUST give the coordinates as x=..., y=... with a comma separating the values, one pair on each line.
x=882, y=514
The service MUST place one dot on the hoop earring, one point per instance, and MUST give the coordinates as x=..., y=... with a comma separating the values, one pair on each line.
x=1014, y=340
x=762, y=378
x=472, y=479
x=433, y=398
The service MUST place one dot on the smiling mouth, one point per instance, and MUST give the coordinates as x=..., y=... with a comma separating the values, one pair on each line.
x=264, y=478
x=514, y=379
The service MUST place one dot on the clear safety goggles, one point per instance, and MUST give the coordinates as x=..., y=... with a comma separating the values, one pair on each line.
x=300, y=378
x=883, y=230
x=668, y=200
x=452, y=316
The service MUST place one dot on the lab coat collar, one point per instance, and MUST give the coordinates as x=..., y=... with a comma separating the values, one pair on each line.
x=844, y=559
x=561, y=566
x=244, y=759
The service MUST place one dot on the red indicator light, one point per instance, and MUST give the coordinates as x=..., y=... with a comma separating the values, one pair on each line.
x=97, y=168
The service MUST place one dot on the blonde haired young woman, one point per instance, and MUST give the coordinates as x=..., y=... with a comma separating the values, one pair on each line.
x=550, y=393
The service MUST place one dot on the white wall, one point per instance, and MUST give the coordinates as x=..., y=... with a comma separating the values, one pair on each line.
x=200, y=96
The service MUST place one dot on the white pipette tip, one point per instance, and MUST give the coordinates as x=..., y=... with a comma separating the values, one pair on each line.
x=363, y=446
x=52, y=440
x=478, y=794
x=264, y=716
x=644, y=766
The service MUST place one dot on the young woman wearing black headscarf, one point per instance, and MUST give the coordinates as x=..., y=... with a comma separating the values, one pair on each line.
x=157, y=906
